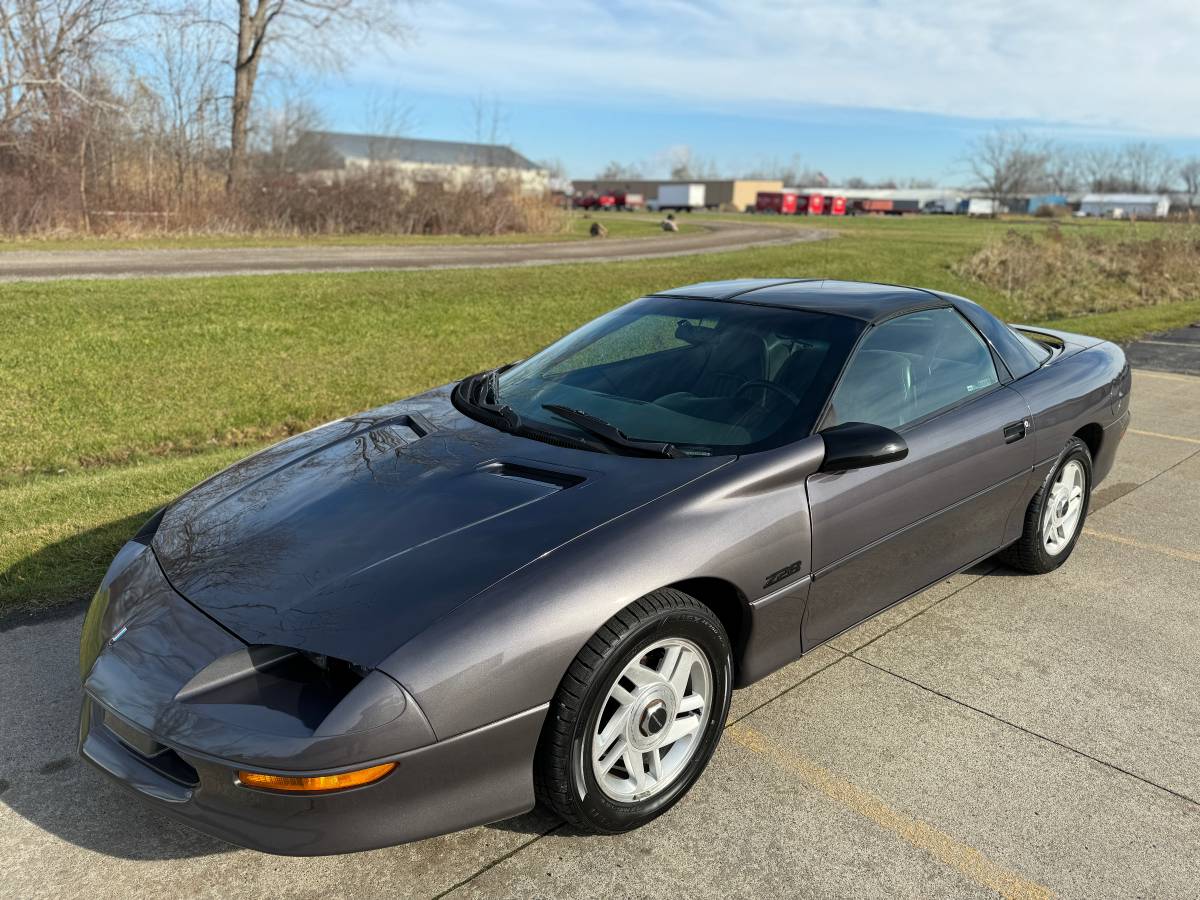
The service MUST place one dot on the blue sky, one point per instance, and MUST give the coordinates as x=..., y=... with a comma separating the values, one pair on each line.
x=876, y=88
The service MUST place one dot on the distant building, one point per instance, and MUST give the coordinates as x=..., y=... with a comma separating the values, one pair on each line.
x=733, y=193
x=1039, y=200
x=333, y=154
x=1123, y=206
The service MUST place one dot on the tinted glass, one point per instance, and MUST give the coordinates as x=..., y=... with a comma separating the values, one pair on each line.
x=911, y=366
x=1020, y=354
x=707, y=376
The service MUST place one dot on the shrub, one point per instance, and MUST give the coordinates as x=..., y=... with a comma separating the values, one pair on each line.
x=1055, y=275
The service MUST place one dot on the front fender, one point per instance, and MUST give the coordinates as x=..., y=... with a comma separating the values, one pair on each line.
x=506, y=650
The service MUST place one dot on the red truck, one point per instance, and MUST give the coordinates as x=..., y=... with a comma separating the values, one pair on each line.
x=629, y=200
x=610, y=201
x=595, y=201
x=783, y=203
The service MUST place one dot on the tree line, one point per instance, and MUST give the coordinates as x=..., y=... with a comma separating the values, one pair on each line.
x=157, y=107
x=1004, y=163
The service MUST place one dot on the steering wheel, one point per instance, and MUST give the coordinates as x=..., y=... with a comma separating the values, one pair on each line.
x=770, y=386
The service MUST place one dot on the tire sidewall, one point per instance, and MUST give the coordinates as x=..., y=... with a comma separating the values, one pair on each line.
x=706, y=632
x=1076, y=450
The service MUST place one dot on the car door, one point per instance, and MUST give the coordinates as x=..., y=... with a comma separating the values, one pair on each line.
x=884, y=532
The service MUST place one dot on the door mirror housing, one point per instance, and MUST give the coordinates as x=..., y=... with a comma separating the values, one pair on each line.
x=855, y=445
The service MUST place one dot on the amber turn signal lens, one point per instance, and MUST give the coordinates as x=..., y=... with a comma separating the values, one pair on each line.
x=315, y=783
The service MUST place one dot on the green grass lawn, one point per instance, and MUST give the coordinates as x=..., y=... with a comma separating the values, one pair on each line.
x=619, y=225
x=117, y=395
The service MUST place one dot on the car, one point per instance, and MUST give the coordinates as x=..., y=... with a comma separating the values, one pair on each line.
x=543, y=583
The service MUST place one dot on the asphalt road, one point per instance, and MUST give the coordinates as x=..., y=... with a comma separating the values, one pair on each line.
x=48, y=265
x=998, y=734
x=1173, y=351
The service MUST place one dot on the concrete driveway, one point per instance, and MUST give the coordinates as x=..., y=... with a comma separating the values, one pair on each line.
x=999, y=734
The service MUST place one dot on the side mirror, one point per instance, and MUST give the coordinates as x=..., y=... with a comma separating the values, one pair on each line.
x=855, y=445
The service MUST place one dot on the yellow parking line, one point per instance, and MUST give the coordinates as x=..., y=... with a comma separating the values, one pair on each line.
x=1169, y=437
x=1142, y=545
x=967, y=860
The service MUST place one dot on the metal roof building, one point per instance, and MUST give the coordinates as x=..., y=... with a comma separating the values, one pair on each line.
x=1119, y=206
x=333, y=153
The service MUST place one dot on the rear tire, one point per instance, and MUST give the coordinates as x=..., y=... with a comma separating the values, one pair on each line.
x=1054, y=519
x=637, y=716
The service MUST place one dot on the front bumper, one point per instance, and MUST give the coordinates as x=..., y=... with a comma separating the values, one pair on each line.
x=174, y=705
x=478, y=777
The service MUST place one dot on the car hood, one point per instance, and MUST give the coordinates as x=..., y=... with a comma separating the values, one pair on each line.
x=350, y=539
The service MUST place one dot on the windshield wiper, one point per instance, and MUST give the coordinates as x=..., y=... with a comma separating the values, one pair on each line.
x=483, y=391
x=611, y=434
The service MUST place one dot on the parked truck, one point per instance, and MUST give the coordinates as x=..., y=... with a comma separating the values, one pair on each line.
x=628, y=200
x=783, y=203
x=978, y=206
x=685, y=197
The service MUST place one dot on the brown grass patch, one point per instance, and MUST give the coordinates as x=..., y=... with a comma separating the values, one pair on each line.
x=1057, y=275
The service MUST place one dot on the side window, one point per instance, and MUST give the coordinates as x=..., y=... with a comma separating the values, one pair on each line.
x=911, y=366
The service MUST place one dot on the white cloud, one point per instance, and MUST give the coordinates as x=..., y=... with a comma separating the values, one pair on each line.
x=1108, y=64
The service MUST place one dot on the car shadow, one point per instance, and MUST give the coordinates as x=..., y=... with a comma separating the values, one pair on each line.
x=66, y=570
x=42, y=779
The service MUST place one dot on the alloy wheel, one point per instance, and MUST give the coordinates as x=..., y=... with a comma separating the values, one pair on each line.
x=651, y=721
x=1064, y=507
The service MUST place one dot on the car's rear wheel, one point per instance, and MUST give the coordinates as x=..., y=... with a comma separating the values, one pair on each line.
x=637, y=716
x=1055, y=515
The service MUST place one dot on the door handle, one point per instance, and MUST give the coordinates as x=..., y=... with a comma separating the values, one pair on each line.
x=1014, y=431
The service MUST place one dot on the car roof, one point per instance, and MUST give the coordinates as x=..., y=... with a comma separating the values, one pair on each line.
x=863, y=300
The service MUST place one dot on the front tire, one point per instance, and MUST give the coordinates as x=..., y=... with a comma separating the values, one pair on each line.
x=637, y=716
x=1054, y=519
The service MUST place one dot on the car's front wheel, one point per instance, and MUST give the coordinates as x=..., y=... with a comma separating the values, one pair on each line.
x=637, y=716
x=1055, y=515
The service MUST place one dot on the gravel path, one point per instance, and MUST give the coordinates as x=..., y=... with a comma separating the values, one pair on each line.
x=48, y=265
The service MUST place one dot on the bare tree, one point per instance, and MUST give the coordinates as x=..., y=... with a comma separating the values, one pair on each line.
x=1062, y=171
x=184, y=72
x=616, y=171
x=290, y=119
x=1146, y=167
x=50, y=52
x=489, y=119
x=1005, y=163
x=684, y=165
x=1189, y=172
x=325, y=30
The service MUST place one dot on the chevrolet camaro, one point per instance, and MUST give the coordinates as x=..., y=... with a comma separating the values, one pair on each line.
x=544, y=582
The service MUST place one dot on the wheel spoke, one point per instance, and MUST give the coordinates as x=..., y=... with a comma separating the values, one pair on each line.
x=682, y=672
x=621, y=695
x=690, y=703
x=656, y=764
x=636, y=768
x=681, y=727
x=641, y=675
x=612, y=730
x=669, y=661
x=606, y=762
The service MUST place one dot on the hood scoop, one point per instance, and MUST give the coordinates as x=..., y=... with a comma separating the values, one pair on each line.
x=557, y=478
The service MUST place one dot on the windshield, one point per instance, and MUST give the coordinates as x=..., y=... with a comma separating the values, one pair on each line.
x=703, y=377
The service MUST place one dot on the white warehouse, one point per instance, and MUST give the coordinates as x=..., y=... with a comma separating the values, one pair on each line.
x=1124, y=206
